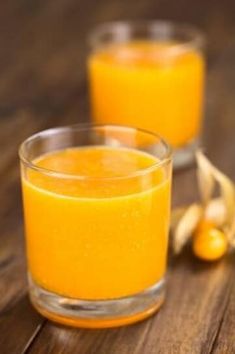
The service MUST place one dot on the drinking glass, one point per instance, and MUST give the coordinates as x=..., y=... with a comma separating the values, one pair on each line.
x=150, y=75
x=96, y=208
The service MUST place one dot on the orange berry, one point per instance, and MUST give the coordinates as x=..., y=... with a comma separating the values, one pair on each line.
x=205, y=225
x=209, y=243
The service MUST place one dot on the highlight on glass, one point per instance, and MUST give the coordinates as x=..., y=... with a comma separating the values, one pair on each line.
x=96, y=208
x=150, y=74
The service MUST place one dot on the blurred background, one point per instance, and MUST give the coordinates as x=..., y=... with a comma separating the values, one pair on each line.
x=43, y=49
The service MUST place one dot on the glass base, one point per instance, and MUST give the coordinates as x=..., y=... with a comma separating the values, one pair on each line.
x=97, y=313
x=185, y=155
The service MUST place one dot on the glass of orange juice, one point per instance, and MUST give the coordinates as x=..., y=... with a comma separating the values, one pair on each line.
x=96, y=207
x=150, y=75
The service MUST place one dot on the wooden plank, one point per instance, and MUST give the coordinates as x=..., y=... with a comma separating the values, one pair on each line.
x=225, y=339
x=18, y=327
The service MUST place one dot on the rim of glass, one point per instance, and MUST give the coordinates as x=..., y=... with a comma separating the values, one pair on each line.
x=196, y=37
x=86, y=127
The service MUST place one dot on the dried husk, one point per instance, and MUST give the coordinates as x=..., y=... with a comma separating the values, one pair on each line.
x=206, y=181
x=186, y=226
x=216, y=212
x=221, y=211
x=176, y=215
x=227, y=190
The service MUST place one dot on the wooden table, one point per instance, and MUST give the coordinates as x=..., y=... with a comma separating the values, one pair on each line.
x=43, y=84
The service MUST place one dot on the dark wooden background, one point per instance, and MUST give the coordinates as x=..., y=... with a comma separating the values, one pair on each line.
x=43, y=84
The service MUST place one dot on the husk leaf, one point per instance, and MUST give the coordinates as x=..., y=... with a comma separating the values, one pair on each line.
x=186, y=226
x=216, y=211
x=206, y=181
x=227, y=189
x=176, y=215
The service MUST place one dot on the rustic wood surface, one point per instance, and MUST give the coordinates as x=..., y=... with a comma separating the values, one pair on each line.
x=43, y=84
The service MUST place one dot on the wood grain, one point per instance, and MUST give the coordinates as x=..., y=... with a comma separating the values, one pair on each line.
x=43, y=84
x=21, y=324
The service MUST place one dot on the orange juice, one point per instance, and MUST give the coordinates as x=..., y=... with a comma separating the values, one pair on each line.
x=93, y=233
x=149, y=84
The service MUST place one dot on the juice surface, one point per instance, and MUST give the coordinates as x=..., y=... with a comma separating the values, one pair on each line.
x=101, y=237
x=153, y=85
